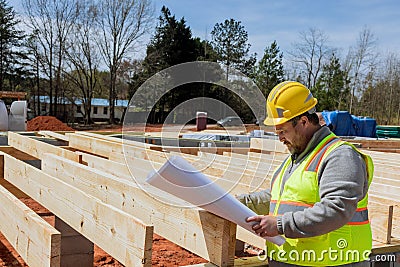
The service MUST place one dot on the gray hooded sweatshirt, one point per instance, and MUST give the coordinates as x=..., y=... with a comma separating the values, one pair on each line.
x=342, y=180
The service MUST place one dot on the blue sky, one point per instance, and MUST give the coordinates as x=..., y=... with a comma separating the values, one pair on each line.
x=283, y=20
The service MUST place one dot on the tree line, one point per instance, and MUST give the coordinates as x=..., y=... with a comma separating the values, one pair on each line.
x=73, y=49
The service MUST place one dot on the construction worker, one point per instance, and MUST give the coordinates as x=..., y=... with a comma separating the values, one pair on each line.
x=318, y=196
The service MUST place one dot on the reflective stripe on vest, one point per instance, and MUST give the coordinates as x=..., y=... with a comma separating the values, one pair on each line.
x=359, y=217
x=277, y=172
x=285, y=206
x=314, y=163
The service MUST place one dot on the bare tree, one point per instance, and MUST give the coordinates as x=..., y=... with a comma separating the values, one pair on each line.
x=122, y=23
x=66, y=13
x=41, y=23
x=359, y=62
x=311, y=52
x=51, y=21
x=83, y=58
x=34, y=59
x=380, y=97
x=391, y=91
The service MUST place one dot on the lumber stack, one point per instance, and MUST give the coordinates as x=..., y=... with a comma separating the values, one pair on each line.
x=94, y=184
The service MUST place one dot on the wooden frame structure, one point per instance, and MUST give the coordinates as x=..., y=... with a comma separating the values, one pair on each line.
x=94, y=187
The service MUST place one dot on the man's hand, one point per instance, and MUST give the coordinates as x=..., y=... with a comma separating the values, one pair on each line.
x=264, y=225
x=256, y=201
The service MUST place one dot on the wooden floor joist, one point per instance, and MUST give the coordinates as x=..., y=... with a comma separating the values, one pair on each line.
x=36, y=148
x=124, y=139
x=151, y=160
x=121, y=171
x=36, y=241
x=54, y=135
x=265, y=144
x=102, y=147
x=381, y=219
x=120, y=234
x=205, y=234
x=117, y=152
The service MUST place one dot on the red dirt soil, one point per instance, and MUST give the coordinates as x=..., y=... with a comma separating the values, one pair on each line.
x=47, y=123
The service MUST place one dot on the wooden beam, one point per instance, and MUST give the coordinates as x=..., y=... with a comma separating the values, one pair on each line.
x=233, y=182
x=55, y=135
x=250, y=238
x=142, y=167
x=36, y=241
x=386, y=190
x=76, y=250
x=385, y=180
x=12, y=189
x=108, y=138
x=196, y=150
x=37, y=148
x=117, y=152
x=265, y=144
x=12, y=151
x=7, y=185
x=12, y=94
x=91, y=137
x=368, y=144
x=120, y=234
x=381, y=218
x=250, y=179
x=203, y=233
x=104, y=148
x=381, y=248
x=122, y=171
x=244, y=160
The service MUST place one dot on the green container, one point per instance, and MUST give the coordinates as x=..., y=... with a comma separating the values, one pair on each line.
x=388, y=131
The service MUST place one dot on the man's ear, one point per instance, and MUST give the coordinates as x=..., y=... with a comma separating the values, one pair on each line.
x=303, y=120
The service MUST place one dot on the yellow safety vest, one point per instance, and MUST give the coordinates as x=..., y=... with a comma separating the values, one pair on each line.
x=350, y=243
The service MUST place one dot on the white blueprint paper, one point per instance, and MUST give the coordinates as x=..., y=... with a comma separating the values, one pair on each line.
x=179, y=178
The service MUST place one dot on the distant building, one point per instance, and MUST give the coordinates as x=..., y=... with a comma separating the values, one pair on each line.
x=67, y=111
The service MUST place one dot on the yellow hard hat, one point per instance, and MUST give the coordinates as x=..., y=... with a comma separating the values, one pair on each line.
x=288, y=100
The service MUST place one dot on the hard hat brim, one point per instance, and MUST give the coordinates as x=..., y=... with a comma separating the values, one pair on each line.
x=274, y=121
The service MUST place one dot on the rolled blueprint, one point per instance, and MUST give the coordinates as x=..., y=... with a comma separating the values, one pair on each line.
x=179, y=178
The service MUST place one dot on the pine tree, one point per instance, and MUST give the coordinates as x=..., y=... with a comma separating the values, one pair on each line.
x=11, y=59
x=230, y=42
x=269, y=71
x=332, y=88
x=171, y=44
